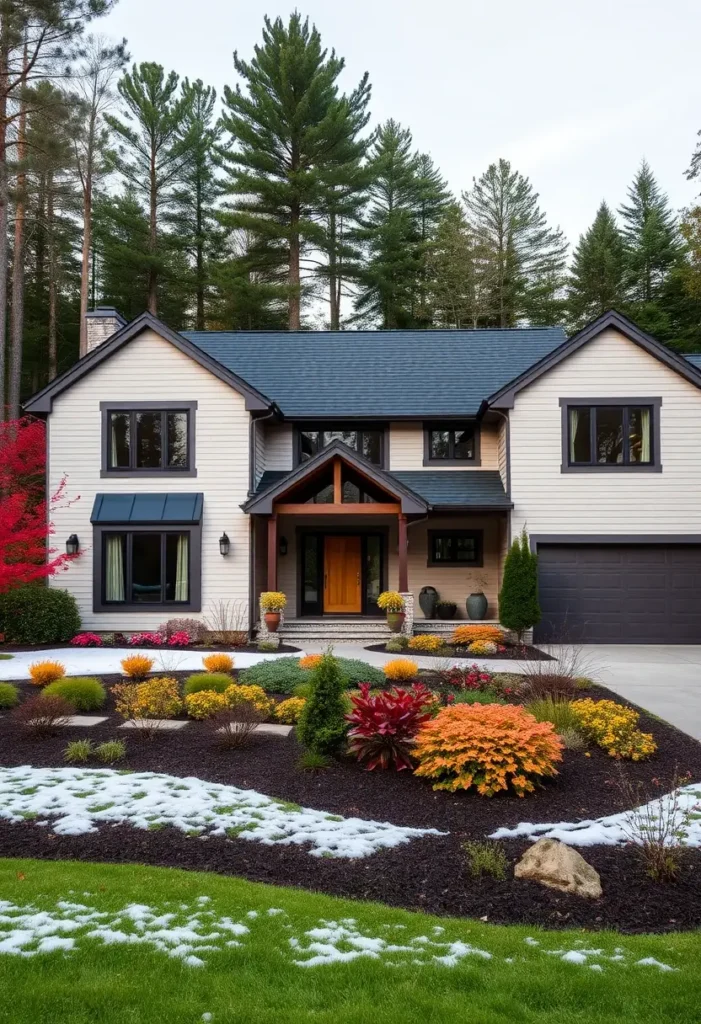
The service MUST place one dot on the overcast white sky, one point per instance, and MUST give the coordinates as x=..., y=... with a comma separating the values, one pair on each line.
x=573, y=92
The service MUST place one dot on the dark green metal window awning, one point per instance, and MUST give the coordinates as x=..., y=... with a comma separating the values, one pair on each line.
x=147, y=508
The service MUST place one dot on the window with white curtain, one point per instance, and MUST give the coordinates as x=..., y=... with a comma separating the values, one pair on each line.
x=149, y=568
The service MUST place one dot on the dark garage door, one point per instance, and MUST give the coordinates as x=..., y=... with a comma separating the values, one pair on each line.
x=618, y=594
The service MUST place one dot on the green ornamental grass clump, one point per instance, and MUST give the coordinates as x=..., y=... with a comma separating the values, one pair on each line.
x=78, y=752
x=9, y=696
x=322, y=724
x=83, y=692
x=477, y=697
x=217, y=681
x=111, y=751
x=559, y=712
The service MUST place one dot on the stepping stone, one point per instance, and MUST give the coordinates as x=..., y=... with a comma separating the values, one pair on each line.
x=269, y=729
x=83, y=720
x=160, y=723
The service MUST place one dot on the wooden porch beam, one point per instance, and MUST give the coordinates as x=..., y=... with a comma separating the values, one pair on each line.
x=343, y=509
x=403, y=547
x=272, y=553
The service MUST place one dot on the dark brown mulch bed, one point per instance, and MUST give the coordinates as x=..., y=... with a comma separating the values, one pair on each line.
x=210, y=648
x=428, y=874
x=512, y=652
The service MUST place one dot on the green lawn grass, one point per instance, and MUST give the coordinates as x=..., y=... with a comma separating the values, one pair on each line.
x=258, y=980
x=6, y=657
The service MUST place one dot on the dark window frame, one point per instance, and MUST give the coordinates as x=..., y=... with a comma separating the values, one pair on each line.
x=453, y=426
x=477, y=535
x=106, y=408
x=359, y=427
x=307, y=609
x=194, y=602
x=654, y=404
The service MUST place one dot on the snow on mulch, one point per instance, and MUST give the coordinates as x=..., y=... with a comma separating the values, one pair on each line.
x=77, y=800
x=616, y=828
x=189, y=932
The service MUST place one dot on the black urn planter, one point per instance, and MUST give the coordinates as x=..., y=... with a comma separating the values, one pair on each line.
x=446, y=609
x=428, y=598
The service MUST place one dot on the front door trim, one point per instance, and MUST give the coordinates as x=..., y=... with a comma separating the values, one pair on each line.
x=358, y=531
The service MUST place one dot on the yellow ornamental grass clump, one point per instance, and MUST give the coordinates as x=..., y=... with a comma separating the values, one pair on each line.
x=463, y=636
x=136, y=666
x=288, y=711
x=401, y=670
x=44, y=672
x=205, y=703
x=492, y=747
x=218, y=663
x=158, y=698
x=310, y=661
x=613, y=727
x=426, y=642
x=254, y=695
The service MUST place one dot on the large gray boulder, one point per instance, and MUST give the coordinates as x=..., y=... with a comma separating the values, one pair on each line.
x=558, y=866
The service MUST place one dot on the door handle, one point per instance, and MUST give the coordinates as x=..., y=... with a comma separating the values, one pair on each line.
x=358, y=579
x=326, y=579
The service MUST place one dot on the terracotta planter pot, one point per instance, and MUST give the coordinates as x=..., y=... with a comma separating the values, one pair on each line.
x=272, y=621
x=395, y=621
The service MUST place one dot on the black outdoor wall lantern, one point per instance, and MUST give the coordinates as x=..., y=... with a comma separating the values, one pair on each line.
x=224, y=544
x=72, y=545
x=283, y=546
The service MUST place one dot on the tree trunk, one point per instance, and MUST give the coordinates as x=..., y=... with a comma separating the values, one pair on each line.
x=51, y=246
x=17, y=323
x=334, y=311
x=85, y=265
x=152, y=240
x=293, y=305
x=4, y=56
x=200, y=324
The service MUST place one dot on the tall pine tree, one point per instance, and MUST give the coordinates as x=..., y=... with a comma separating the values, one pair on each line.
x=651, y=243
x=597, y=277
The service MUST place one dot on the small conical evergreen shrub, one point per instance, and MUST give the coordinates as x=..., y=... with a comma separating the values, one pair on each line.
x=322, y=724
x=518, y=599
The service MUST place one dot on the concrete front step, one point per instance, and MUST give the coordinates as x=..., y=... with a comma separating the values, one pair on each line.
x=320, y=631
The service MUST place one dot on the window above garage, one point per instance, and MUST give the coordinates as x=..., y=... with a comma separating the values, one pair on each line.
x=611, y=434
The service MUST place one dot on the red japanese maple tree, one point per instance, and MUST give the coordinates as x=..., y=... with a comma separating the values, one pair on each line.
x=25, y=508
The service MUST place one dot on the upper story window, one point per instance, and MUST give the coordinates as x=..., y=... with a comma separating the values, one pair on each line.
x=368, y=442
x=611, y=434
x=451, y=442
x=145, y=439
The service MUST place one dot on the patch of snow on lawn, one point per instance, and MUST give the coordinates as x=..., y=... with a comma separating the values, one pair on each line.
x=79, y=799
x=188, y=932
x=616, y=828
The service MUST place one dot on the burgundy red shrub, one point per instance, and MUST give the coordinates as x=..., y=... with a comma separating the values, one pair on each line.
x=383, y=725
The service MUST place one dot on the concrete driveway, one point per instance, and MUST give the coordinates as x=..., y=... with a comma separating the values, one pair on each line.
x=665, y=680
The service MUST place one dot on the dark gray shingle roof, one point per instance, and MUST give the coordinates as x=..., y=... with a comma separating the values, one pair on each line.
x=695, y=359
x=378, y=373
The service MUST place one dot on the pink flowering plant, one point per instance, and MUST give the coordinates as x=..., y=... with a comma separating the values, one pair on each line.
x=146, y=640
x=472, y=677
x=180, y=639
x=87, y=640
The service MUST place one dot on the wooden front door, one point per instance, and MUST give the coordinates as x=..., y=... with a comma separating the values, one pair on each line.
x=342, y=574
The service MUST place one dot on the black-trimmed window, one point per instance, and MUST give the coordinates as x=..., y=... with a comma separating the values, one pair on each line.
x=455, y=547
x=451, y=442
x=367, y=441
x=148, y=439
x=611, y=436
x=146, y=568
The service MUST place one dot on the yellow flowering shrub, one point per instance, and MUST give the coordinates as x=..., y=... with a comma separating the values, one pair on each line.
x=255, y=695
x=205, y=703
x=390, y=601
x=288, y=711
x=310, y=661
x=45, y=672
x=489, y=746
x=136, y=666
x=483, y=647
x=401, y=670
x=426, y=642
x=218, y=663
x=614, y=728
x=158, y=698
x=463, y=636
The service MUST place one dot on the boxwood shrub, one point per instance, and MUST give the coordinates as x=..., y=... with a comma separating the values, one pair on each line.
x=217, y=681
x=283, y=675
x=83, y=692
x=38, y=614
x=9, y=696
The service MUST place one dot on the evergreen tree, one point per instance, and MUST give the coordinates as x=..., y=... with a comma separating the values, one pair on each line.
x=247, y=286
x=452, y=269
x=193, y=219
x=293, y=135
x=524, y=259
x=597, y=278
x=322, y=724
x=651, y=241
x=519, y=609
x=151, y=151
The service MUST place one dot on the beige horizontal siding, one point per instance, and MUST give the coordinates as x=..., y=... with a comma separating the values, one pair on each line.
x=151, y=369
x=278, y=446
x=406, y=448
x=549, y=501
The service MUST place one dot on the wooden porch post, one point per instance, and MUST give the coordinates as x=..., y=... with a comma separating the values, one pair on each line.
x=402, y=553
x=272, y=553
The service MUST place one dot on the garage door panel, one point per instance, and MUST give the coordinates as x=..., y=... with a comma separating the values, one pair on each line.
x=607, y=593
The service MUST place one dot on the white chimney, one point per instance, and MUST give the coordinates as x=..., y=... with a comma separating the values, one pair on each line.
x=101, y=324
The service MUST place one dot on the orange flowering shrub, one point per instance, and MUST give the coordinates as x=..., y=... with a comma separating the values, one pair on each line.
x=44, y=672
x=489, y=746
x=310, y=661
x=136, y=666
x=218, y=663
x=463, y=636
x=401, y=670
